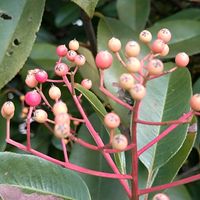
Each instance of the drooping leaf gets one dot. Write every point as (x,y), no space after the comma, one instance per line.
(40,176)
(19,21)
(134,13)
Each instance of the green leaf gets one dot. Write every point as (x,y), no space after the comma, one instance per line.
(19,21)
(40,176)
(167,99)
(100,188)
(87,5)
(185,36)
(134,13)
(67,14)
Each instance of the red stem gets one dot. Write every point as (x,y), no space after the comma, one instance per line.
(43,97)
(54,81)
(28,131)
(64,150)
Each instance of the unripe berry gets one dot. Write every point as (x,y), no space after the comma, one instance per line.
(71,54)
(31,80)
(74,45)
(119,142)
(145,36)
(54,92)
(114,44)
(40,116)
(155,67)
(62,131)
(79,60)
(182,59)
(157,46)
(161,196)
(62,118)
(61,69)
(59,107)
(165,51)
(111,120)
(133,65)
(195,102)
(86,83)
(132,49)
(138,91)
(103,59)
(8,109)
(41,76)
(164,34)
(61,50)
(32,98)
(126,81)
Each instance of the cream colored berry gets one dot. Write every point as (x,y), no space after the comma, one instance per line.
(54,92)
(145,36)
(62,118)
(59,107)
(155,67)
(133,65)
(119,142)
(74,45)
(62,131)
(138,92)
(126,81)
(112,120)
(114,44)
(132,49)
(8,109)
(40,116)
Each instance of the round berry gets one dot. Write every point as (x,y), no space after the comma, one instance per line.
(41,76)
(114,44)
(126,81)
(138,91)
(62,118)
(182,59)
(74,45)
(71,54)
(119,142)
(40,116)
(59,107)
(62,131)
(161,196)
(157,46)
(86,83)
(133,65)
(33,98)
(164,34)
(79,60)
(132,49)
(61,69)
(145,36)
(165,51)
(195,102)
(111,120)
(61,50)
(31,81)
(54,92)
(8,109)
(103,59)
(155,67)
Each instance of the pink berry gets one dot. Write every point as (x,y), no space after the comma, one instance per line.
(54,92)
(161,196)
(133,65)
(32,98)
(126,81)
(157,46)
(59,107)
(119,142)
(182,59)
(8,109)
(165,51)
(71,54)
(74,45)
(61,69)
(61,50)
(40,116)
(62,118)
(79,60)
(155,67)
(62,131)
(31,80)
(138,91)
(164,34)
(41,76)
(86,83)
(103,59)
(114,44)
(111,120)
(132,49)
(195,102)
(145,36)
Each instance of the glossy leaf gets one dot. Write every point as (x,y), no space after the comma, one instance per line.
(19,22)
(100,188)
(167,99)
(134,13)
(40,176)
(185,36)
(87,5)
